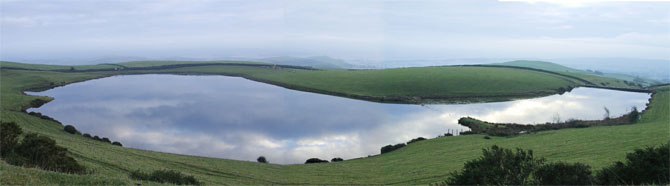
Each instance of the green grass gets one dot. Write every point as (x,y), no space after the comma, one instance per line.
(53,67)
(423,162)
(607,79)
(160,63)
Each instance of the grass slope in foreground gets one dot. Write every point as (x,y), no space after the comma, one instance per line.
(422,162)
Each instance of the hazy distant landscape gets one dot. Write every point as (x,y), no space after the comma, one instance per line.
(510,92)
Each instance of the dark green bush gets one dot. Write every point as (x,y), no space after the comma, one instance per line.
(9,136)
(165,176)
(70,129)
(106,140)
(37,103)
(315,160)
(498,166)
(42,151)
(487,137)
(117,143)
(644,166)
(563,174)
(415,140)
(97,138)
(468,132)
(389,148)
(634,115)
(87,135)
(37,114)
(336,159)
(261,159)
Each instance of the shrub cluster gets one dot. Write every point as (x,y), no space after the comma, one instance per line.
(35,151)
(37,103)
(389,148)
(165,176)
(642,167)
(499,166)
(39,115)
(336,159)
(315,160)
(97,138)
(415,140)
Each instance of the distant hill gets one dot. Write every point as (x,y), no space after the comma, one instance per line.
(549,66)
(315,61)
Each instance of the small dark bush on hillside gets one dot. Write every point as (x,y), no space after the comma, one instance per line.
(106,140)
(415,140)
(39,115)
(97,138)
(448,134)
(42,151)
(336,159)
(487,137)
(315,160)
(70,129)
(389,148)
(117,143)
(468,133)
(498,166)
(634,115)
(165,176)
(644,166)
(563,174)
(261,159)
(37,103)
(87,135)
(9,136)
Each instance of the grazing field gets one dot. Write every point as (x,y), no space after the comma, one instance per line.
(602,79)
(423,162)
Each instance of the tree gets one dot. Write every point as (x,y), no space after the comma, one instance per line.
(336,159)
(261,159)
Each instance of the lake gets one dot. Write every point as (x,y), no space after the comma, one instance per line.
(235,118)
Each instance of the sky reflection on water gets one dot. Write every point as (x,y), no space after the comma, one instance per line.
(231,117)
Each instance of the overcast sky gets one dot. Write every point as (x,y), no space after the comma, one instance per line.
(369,29)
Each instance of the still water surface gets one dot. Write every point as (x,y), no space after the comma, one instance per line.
(235,118)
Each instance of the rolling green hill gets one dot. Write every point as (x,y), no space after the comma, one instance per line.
(598,78)
(422,162)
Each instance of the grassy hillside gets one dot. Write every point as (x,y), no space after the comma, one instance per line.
(407,85)
(604,79)
(422,162)
(158,63)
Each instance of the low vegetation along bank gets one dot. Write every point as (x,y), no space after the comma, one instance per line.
(422,162)
(510,129)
